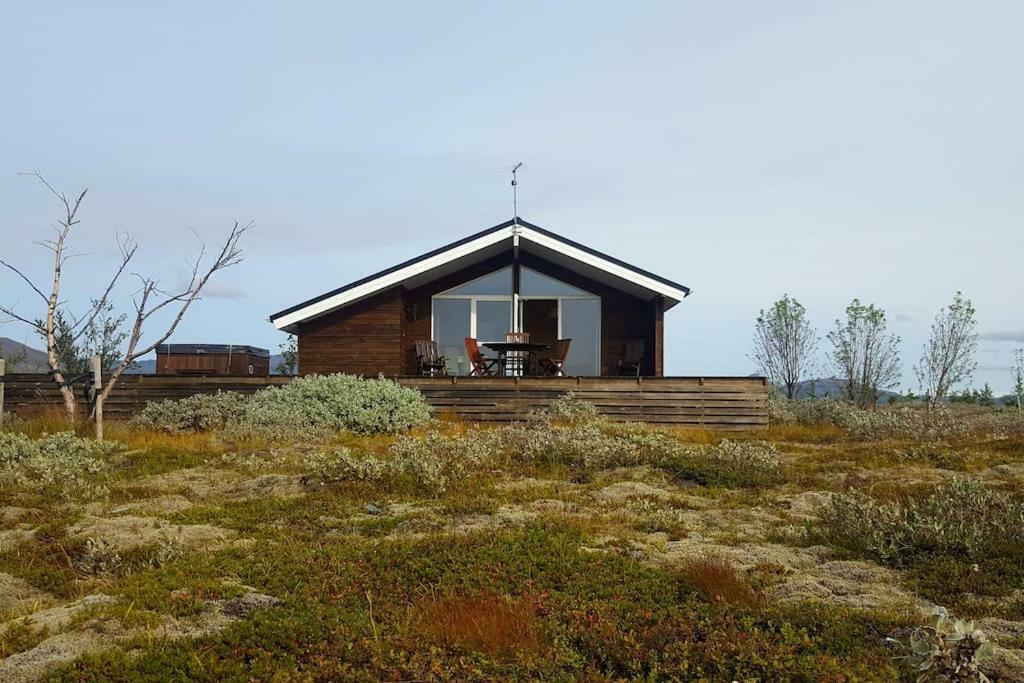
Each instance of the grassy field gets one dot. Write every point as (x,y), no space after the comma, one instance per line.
(568,549)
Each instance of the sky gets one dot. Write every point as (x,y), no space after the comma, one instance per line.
(746,149)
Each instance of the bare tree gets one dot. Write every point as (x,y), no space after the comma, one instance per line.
(149,300)
(784,344)
(948,357)
(865,353)
(1018,376)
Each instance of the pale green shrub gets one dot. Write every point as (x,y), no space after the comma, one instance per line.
(408,462)
(60,464)
(946,650)
(729,463)
(308,407)
(193,413)
(343,465)
(569,408)
(337,402)
(961,517)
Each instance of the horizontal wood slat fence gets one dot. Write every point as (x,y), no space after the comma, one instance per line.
(706,402)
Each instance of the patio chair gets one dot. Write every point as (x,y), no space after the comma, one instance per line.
(480,365)
(632,358)
(553,363)
(429,360)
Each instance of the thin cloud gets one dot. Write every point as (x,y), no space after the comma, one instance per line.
(212,290)
(1003,336)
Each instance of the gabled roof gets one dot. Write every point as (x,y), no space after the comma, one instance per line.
(479,246)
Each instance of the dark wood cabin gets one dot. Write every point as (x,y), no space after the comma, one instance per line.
(212,359)
(512,277)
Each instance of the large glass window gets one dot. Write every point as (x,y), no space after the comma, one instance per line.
(581,322)
(498,283)
(493,319)
(482,308)
(451,327)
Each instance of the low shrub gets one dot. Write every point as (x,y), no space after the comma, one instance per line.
(337,402)
(308,406)
(716,580)
(496,625)
(426,464)
(884,423)
(732,464)
(961,517)
(194,413)
(60,464)
(946,650)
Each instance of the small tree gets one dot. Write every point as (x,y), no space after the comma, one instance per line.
(865,354)
(62,331)
(948,357)
(1018,377)
(985,397)
(103,336)
(289,356)
(784,344)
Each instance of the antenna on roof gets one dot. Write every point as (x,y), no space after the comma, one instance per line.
(515,188)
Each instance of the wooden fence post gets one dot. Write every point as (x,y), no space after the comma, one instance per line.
(97,387)
(3,369)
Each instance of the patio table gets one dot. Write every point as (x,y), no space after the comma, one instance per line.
(514,366)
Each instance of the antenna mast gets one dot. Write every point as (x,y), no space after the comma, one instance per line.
(515,192)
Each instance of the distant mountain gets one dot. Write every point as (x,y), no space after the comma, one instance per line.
(22,358)
(833,387)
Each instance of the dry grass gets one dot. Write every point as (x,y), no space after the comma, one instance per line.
(717,581)
(485,622)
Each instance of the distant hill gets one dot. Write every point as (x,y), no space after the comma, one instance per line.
(832,387)
(22,358)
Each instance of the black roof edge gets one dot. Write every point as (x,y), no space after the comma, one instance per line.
(470,238)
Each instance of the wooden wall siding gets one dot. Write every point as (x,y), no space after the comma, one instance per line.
(362,339)
(623,316)
(214,363)
(730,403)
(709,402)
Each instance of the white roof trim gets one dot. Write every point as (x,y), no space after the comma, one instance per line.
(615,269)
(520,231)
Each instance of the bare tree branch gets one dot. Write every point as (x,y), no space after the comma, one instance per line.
(23,277)
(128,247)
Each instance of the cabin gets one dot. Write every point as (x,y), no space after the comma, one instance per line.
(515,278)
(212,359)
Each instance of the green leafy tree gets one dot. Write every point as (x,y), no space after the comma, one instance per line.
(865,353)
(102,335)
(948,357)
(784,344)
(986,397)
(289,364)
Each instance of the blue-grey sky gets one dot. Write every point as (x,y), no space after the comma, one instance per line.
(746,149)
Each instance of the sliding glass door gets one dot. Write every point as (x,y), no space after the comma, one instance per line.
(547,308)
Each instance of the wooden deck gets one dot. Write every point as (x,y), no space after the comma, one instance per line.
(708,402)
(701,402)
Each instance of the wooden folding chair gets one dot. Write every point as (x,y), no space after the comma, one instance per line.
(553,363)
(481,366)
(632,358)
(430,361)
